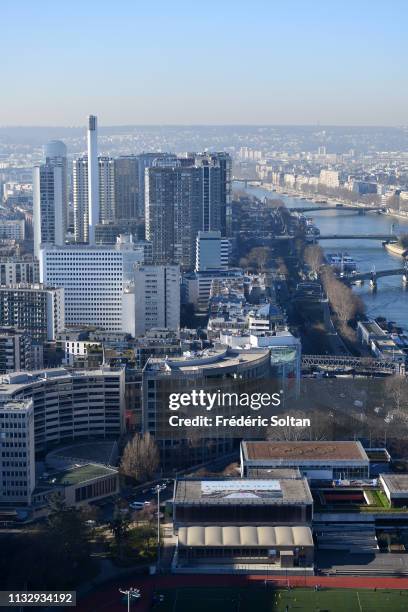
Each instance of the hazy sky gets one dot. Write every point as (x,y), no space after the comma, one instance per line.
(208,61)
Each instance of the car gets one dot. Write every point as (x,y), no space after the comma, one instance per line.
(139,505)
(136,505)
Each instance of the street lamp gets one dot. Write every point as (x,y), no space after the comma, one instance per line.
(157,489)
(130,593)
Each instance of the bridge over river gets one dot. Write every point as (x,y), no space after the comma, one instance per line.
(349,364)
(356,237)
(374,275)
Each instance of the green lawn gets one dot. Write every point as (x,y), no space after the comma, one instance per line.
(266,599)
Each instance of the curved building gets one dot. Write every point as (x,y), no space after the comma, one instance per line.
(70,405)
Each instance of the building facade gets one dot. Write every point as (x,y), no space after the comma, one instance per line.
(38,310)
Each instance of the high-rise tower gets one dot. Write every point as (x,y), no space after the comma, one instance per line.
(50,197)
(93,177)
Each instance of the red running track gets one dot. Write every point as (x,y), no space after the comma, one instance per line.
(107,599)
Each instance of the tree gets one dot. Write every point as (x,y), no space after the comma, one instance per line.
(140,458)
(343,301)
(68,533)
(119,527)
(396,388)
(313,257)
(259,257)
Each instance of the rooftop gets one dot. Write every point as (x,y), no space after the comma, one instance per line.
(207,360)
(245,537)
(396,483)
(242,491)
(300,451)
(80,474)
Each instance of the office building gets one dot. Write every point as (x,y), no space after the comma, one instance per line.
(156,298)
(107,233)
(94,281)
(37,310)
(212,251)
(70,405)
(216,368)
(56,155)
(17,458)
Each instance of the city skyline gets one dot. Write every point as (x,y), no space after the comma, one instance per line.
(229,64)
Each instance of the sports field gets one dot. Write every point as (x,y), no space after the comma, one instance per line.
(267,599)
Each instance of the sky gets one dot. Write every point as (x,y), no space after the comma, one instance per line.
(204,62)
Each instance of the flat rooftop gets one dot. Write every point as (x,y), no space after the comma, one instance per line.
(396,483)
(278,473)
(80,474)
(207,360)
(301,451)
(242,491)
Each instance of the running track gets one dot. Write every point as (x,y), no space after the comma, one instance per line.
(107,599)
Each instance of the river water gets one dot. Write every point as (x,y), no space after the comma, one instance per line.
(391,297)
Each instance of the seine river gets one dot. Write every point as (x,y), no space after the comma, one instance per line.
(391,298)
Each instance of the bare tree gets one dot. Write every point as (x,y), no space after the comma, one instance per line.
(342,299)
(140,458)
(259,257)
(313,257)
(396,388)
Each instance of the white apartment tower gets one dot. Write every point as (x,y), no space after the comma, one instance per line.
(56,155)
(106,189)
(93,177)
(50,197)
(48,206)
(80,195)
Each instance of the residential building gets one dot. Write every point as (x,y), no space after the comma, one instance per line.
(107,210)
(330,178)
(37,310)
(80,198)
(49,206)
(19,269)
(128,188)
(185,195)
(12,229)
(15,351)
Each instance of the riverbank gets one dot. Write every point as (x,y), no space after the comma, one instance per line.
(390,297)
